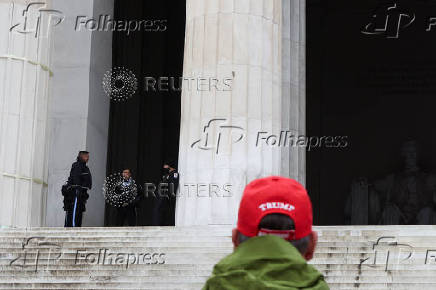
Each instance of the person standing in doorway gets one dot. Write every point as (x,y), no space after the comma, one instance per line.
(127,212)
(76,190)
(165,207)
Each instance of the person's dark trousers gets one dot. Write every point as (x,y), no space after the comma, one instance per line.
(69,218)
(160,211)
(127,212)
(164,211)
(171,213)
(74,214)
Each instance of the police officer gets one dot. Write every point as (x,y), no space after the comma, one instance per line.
(165,208)
(76,190)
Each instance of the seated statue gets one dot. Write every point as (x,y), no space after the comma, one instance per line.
(407,197)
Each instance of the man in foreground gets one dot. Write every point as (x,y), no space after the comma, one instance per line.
(273,240)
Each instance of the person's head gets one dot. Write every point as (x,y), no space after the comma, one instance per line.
(276,206)
(83,156)
(409,151)
(127,173)
(169,165)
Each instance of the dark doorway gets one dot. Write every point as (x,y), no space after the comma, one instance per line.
(144,130)
(375,84)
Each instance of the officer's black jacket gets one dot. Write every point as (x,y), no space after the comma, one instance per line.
(172,179)
(80,175)
(79,181)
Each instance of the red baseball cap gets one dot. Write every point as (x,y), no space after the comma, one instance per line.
(275,194)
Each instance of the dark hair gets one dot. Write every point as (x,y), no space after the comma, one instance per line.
(278,221)
(170,162)
(130,170)
(80,154)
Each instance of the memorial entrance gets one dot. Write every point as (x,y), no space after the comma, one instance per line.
(371,77)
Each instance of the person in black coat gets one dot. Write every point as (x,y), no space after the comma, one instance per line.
(127,212)
(75,191)
(165,206)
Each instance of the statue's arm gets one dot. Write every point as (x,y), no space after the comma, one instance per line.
(347,210)
(383,188)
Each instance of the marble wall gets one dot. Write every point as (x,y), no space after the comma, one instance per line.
(79,109)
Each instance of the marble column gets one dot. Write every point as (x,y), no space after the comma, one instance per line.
(294,86)
(241,40)
(24,99)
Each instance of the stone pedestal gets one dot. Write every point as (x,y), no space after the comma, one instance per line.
(223,141)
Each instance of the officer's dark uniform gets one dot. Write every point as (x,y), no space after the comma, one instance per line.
(75,193)
(165,208)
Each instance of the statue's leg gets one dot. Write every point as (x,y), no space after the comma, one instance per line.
(373,207)
(425,216)
(391,215)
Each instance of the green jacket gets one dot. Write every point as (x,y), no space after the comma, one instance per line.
(266,262)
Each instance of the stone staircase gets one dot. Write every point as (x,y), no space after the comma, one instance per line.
(366,257)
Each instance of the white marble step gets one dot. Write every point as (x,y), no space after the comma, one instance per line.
(345,255)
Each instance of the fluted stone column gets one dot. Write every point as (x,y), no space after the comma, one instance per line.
(24,78)
(245,40)
(294,86)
